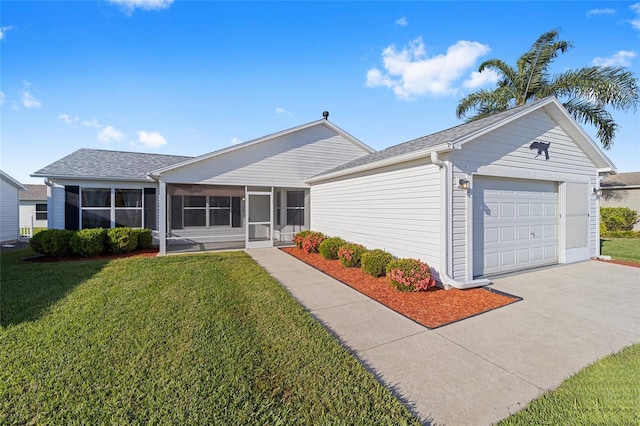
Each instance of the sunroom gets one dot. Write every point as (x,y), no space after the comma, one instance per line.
(216,217)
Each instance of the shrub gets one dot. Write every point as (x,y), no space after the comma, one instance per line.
(311,242)
(375,262)
(299,238)
(350,255)
(122,240)
(620,234)
(36,241)
(618,218)
(88,242)
(410,275)
(329,247)
(54,242)
(145,238)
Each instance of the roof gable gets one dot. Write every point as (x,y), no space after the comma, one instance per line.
(621,180)
(34,192)
(11,181)
(108,165)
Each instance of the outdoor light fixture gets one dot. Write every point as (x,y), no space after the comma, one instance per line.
(597,191)
(463,184)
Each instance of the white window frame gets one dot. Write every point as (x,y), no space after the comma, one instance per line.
(112,204)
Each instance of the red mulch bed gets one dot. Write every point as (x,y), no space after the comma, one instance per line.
(621,262)
(153,252)
(433,308)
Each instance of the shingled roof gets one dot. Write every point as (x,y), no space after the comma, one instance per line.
(621,180)
(103,164)
(34,192)
(435,139)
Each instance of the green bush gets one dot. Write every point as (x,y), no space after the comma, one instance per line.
(54,242)
(299,238)
(350,255)
(36,241)
(89,242)
(618,218)
(329,247)
(145,238)
(620,234)
(375,262)
(410,275)
(122,240)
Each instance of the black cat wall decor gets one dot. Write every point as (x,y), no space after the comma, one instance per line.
(541,147)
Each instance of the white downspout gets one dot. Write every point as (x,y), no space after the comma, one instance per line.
(446,230)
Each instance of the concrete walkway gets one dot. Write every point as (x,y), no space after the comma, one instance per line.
(482,369)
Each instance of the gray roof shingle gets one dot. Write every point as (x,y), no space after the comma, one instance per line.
(621,179)
(34,192)
(449,135)
(103,164)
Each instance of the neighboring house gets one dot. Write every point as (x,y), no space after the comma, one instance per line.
(9,212)
(512,191)
(622,190)
(33,206)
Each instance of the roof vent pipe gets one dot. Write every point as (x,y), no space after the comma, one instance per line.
(325,114)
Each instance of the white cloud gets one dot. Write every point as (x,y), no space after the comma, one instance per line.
(3,31)
(235,141)
(93,123)
(410,72)
(635,23)
(70,121)
(110,134)
(594,12)
(151,139)
(282,111)
(130,5)
(618,59)
(479,79)
(193,132)
(30,101)
(402,22)
(1,97)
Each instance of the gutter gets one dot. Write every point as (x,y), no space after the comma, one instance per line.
(446,228)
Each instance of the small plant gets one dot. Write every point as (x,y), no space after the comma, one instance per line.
(312,241)
(299,238)
(329,247)
(53,242)
(88,242)
(618,218)
(410,275)
(145,238)
(375,262)
(122,240)
(350,255)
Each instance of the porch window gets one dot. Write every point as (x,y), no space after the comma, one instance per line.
(41,211)
(195,210)
(219,211)
(278,208)
(295,208)
(96,208)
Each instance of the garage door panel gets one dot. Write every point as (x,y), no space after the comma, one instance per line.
(514,224)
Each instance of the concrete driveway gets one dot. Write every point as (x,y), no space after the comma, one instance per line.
(482,369)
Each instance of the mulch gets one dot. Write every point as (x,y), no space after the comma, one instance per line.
(432,308)
(620,262)
(152,252)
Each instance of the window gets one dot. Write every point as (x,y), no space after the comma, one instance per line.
(220,211)
(295,208)
(128,211)
(41,211)
(96,208)
(195,210)
(278,208)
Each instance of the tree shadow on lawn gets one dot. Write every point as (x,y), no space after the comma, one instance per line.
(28,290)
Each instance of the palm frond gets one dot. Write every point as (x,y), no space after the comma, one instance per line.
(593,113)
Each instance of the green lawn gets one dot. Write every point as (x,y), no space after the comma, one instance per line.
(604,393)
(198,339)
(622,249)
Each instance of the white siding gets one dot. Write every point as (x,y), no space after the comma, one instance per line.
(9,212)
(394,208)
(622,198)
(505,153)
(27,210)
(285,161)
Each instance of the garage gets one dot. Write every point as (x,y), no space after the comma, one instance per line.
(515,224)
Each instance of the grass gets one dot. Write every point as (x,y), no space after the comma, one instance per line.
(604,393)
(627,249)
(198,339)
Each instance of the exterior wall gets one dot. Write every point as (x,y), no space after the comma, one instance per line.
(282,162)
(9,212)
(28,210)
(395,208)
(623,197)
(505,153)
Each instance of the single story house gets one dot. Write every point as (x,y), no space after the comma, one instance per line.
(9,216)
(512,191)
(622,190)
(33,206)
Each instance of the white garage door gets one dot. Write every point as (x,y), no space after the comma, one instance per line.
(515,224)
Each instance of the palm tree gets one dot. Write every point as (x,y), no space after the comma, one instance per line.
(585,92)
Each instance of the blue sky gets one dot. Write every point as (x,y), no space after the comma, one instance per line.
(190,77)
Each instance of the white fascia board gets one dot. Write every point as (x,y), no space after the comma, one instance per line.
(12,181)
(413,155)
